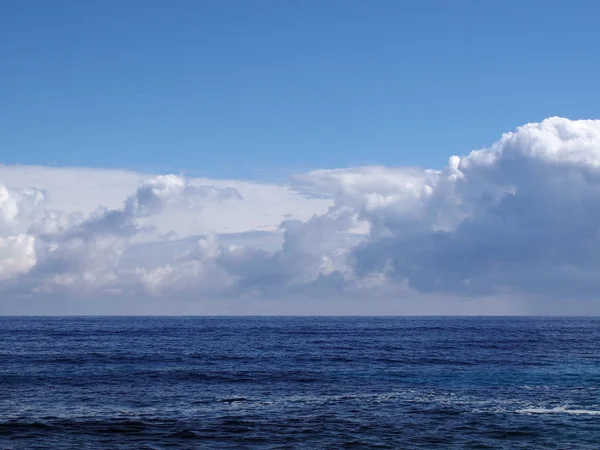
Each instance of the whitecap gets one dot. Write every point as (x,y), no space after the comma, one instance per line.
(558,410)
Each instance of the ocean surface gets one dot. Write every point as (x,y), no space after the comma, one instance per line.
(290,382)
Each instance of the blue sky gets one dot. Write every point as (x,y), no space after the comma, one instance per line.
(267,157)
(262,89)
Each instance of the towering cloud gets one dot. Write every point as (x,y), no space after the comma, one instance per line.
(517,219)
(521,216)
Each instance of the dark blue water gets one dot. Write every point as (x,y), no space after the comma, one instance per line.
(299,383)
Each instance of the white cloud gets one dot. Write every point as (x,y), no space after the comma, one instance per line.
(509,228)
(17,255)
(518,217)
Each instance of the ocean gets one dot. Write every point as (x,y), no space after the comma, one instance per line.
(299,382)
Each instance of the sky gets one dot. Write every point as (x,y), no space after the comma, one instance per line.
(268,157)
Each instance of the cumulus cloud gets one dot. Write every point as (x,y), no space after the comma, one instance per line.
(17,255)
(151,198)
(518,219)
(520,216)
(86,252)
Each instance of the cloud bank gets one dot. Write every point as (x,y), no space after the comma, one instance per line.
(512,228)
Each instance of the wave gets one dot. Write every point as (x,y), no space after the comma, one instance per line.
(559,410)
